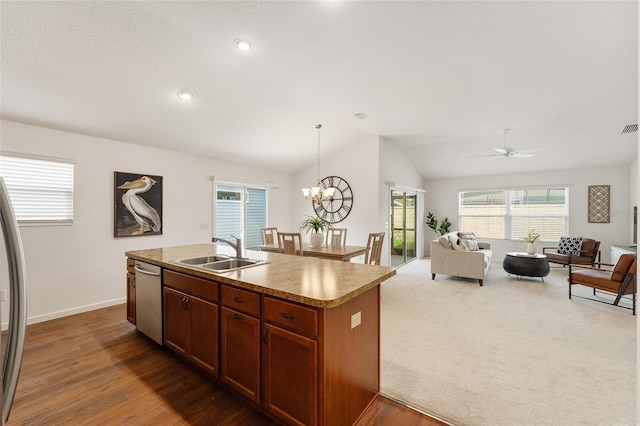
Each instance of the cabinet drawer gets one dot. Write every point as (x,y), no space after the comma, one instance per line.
(130,265)
(242,300)
(290,315)
(205,289)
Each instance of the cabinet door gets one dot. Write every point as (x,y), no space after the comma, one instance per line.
(131,298)
(203,343)
(240,348)
(290,376)
(176,320)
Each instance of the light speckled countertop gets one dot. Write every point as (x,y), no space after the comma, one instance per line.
(311,281)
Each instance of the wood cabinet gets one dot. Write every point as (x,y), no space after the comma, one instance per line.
(191,322)
(290,376)
(302,364)
(240,352)
(240,341)
(131,291)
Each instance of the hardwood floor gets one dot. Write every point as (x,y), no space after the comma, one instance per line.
(94,368)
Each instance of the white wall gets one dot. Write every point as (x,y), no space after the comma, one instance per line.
(75,268)
(442,199)
(397,168)
(366,164)
(356,163)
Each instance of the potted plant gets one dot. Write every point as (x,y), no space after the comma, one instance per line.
(531,238)
(316,225)
(432,222)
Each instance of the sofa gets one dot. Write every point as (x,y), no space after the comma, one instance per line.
(459,254)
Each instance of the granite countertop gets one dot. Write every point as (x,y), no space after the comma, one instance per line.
(311,281)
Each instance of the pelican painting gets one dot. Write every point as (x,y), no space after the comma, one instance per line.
(136,215)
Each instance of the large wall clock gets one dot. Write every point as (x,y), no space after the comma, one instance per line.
(339,206)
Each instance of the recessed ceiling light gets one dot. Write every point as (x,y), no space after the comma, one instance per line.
(185,95)
(243,44)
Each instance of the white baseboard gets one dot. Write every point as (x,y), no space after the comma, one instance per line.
(72,311)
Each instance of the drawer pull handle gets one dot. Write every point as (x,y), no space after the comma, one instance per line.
(285,315)
(185,301)
(238,317)
(238,300)
(264,336)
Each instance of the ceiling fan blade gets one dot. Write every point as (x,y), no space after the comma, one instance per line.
(530,150)
(501,151)
(520,154)
(488,155)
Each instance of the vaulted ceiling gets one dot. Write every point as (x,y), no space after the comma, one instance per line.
(439,79)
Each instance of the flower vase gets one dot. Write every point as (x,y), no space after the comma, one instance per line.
(316,239)
(531,249)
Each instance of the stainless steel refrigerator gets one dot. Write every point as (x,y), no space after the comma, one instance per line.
(16,273)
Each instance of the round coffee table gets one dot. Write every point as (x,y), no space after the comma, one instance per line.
(527,265)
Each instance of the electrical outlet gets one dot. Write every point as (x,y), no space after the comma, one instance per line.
(356,319)
(3,295)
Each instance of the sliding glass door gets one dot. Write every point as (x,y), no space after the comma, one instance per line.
(241,211)
(403,220)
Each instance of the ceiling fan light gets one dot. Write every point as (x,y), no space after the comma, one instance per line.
(185,95)
(243,44)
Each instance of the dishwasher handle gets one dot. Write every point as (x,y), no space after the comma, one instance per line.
(155,274)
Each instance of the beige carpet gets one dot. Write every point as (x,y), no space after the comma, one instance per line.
(509,353)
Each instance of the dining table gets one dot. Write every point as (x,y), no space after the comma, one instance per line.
(325,251)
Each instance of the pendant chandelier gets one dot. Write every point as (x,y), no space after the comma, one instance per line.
(319,192)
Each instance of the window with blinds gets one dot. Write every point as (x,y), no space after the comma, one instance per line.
(241,211)
(511,214)
(41,190)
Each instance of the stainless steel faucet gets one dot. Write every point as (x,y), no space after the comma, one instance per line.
(237,246)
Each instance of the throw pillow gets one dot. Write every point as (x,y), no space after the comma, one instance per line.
(467,235)
(570,245)
(472,245)
(456,243)
(444,241)
(469,240)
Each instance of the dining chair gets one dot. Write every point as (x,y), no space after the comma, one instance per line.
(291,242)
(337,236)
(374,248)
(269,236)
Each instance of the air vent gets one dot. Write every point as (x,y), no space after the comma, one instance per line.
(361,116)
(630,128)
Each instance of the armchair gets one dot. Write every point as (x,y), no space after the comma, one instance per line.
(619,279)
(589,252)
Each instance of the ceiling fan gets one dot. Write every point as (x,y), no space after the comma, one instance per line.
(508,152)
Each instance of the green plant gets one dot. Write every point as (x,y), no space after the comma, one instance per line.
(531,237)
(314,224)
(432,222)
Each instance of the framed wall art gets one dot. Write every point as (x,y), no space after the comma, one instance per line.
(599,199)
(137,204)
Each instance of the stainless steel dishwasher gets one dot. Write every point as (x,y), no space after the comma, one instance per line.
(149,300)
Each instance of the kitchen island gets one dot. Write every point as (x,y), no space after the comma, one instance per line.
(299,337)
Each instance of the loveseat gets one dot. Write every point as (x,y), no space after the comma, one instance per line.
(454,254)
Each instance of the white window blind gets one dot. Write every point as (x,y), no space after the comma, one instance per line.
(41,190)
(511,214)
